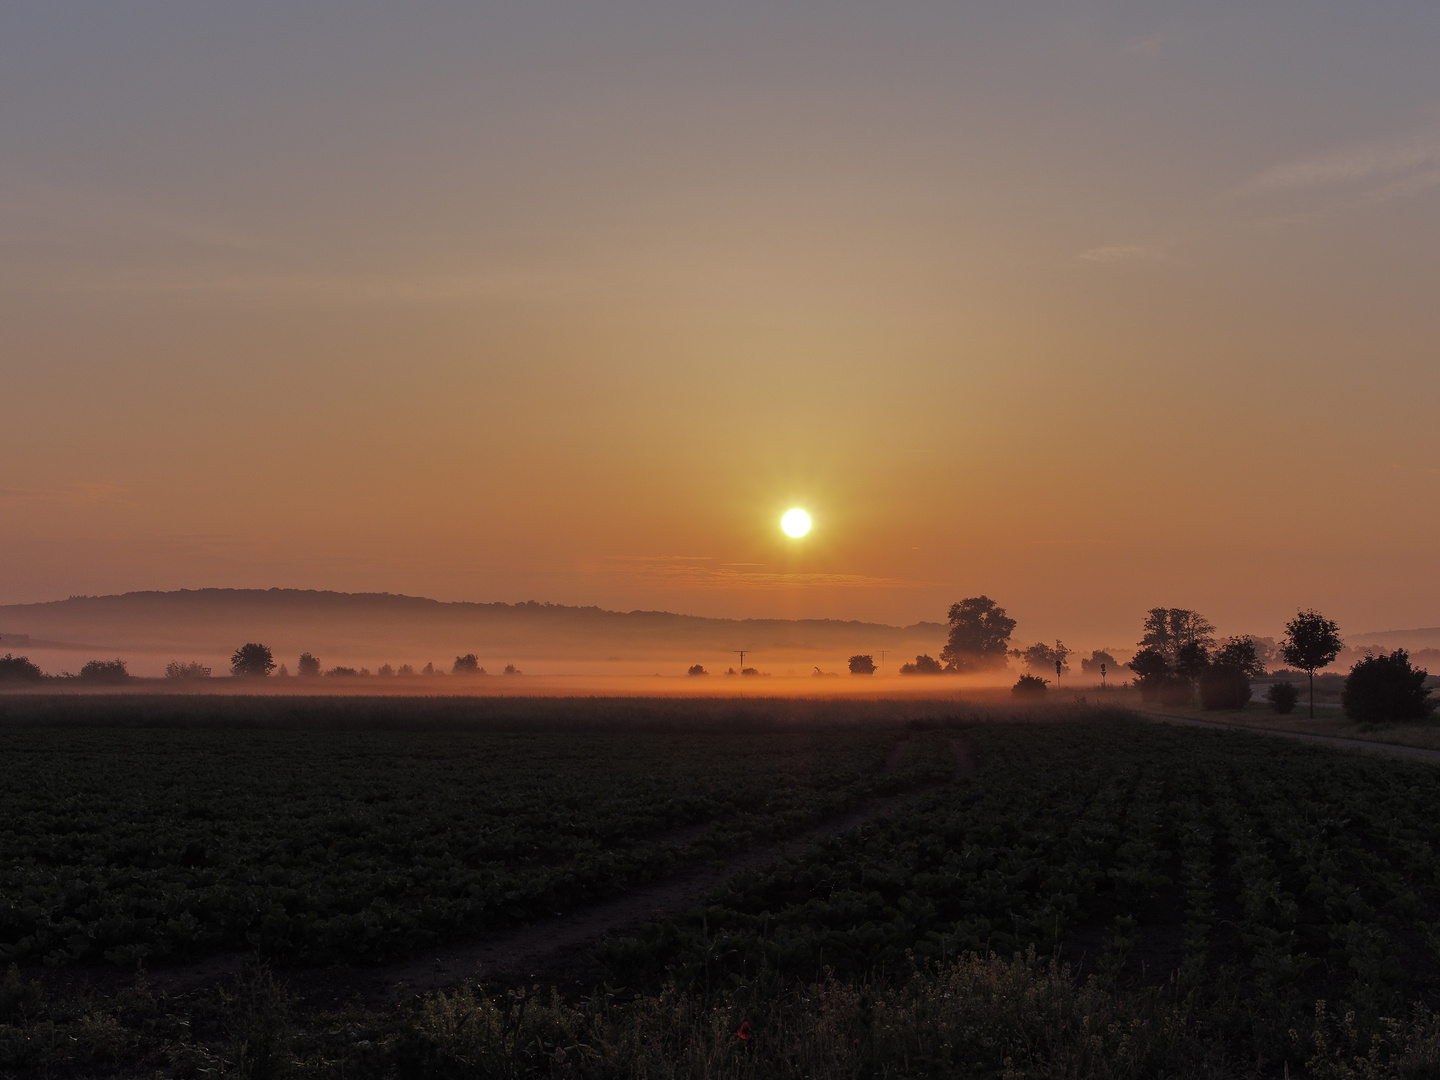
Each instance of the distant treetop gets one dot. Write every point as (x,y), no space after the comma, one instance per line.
(252,660)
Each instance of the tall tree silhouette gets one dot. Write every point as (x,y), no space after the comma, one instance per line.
(979,635)
(1311,642)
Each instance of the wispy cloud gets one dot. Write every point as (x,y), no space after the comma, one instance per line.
(1121,253)
(1380,170)
(1147,45)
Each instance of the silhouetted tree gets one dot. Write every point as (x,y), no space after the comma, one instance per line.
(1180,635)
(924,664)
(697,669)
(104,671)
(252,660)
(307,665)
(405,671)
(469,664)
(341,672)
(1311,642)
(1225,681)
(193,670)
(18,669)
(1192,661)
(1386,687)
(1174,651)
(1241,654)
(511,669)
(1041,657)
(979,636)
(1154,677)
(1091,666)
(386,671)
(1030,686)
(862,664)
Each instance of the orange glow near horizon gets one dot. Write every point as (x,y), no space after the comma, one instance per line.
(1087,311)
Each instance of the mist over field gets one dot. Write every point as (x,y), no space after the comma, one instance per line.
(152,628)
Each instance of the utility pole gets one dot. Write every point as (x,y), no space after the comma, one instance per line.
(882,661)
(742,659)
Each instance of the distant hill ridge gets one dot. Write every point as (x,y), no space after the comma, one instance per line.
(1421,637)
(370,623)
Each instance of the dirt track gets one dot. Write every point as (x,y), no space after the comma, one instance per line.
(558,947)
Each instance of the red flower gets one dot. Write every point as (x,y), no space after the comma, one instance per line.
(744,1031)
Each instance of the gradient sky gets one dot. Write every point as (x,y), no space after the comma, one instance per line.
(1089,307)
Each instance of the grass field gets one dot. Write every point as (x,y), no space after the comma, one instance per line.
(1102,897)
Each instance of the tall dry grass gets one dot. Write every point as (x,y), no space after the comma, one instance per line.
(976,1016)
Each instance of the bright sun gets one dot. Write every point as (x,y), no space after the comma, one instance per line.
(795,522)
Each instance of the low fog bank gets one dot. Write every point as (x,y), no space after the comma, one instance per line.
(371,630)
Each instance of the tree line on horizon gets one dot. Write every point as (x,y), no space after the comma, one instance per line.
(1178,658)
(249,661)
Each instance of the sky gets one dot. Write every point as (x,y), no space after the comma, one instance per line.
(1088,307)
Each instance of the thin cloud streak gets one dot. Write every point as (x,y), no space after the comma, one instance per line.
(1417,155)
(77,494)
(683,572)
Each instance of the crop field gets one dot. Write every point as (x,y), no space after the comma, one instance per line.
(122,845)
(1095,895)
(1291,873)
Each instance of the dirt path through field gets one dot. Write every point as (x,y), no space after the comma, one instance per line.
(1393,749)
(559,947)
(536,947)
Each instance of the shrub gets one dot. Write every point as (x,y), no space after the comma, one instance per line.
(1166,689)
(18,669)
(697,669)
(104,671)
(1386,687)
(1282,697)
(1224,687)
(862,664)
(924,664)
(260,1015)
(193,670)
(1030,686)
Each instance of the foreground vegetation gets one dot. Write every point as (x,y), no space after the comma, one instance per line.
(1105,898)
